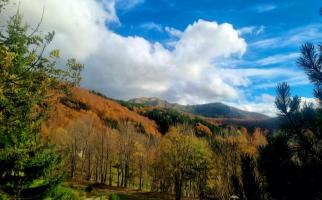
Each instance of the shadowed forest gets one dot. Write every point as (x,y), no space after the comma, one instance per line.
(59,141)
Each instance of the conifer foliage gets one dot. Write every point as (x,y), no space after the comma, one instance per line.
(29,165)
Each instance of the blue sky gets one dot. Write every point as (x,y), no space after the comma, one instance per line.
(268,26)
(184,51)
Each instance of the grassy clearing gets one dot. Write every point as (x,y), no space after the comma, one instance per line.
(104,192)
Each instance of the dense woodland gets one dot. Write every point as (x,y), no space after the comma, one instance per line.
(51,133)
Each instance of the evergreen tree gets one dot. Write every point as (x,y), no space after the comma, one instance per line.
(251,186)
(292,161)
(30,167)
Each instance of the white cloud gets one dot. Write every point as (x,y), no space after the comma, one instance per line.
(293,78)
(279,58)
(267,7)
(263,103)
(79,24)
(127,67)
(264,8)
(173,31)
(152,26)
(306,100)
(128,4)
(256,30)
(293,37)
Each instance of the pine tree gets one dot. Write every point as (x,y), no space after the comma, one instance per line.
(292,161)
(30,167)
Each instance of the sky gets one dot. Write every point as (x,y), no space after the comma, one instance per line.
(184,51)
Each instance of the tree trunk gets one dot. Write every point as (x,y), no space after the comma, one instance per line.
(89,170)
(118,176)
(140,182)
(110,175)
(126,176)
(178,186)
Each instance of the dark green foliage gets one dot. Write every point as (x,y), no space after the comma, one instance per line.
(270,125)
(139,128)
(74,103)
(166,117)
(74,71)
(115,196)
(29,168)
(218,110)
(99,94)
(112,123)
(63,193)
(130,106)
(237,186)
(251,184)
(222,111)
(292,159)
(277,166)
(291,162)
(89,188)
(311,62)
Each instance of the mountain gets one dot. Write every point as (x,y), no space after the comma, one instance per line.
(220,110)
(213,110)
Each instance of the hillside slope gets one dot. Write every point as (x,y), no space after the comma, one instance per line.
(82,103)
(220,110)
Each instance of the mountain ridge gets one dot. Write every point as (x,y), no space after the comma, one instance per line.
(213,110)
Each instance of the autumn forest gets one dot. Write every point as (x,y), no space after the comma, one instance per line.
(59,140)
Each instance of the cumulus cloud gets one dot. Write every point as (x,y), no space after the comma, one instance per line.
(127,67)
(78,24)
(173,31)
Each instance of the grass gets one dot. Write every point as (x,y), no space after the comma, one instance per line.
(104,192)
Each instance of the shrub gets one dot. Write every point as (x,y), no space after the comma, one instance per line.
(89,188)
(63,193)
(112,123)
(74,103)
(114,196)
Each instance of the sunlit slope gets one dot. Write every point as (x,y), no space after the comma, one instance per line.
(81,103)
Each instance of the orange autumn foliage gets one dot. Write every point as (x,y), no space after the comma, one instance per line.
(202,130)
(60,115)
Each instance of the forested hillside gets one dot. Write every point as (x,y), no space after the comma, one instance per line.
(81,103)
(215,110)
